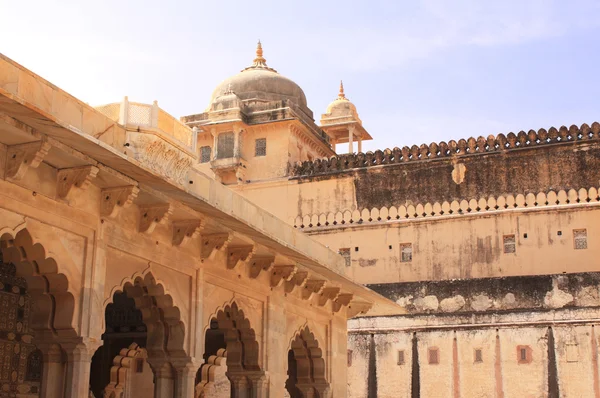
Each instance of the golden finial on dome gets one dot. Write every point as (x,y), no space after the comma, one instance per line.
(341,94)
(259,62)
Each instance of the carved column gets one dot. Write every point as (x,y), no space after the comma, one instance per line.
(164,385)
(350,139)
(258,384)
(306,390)
(53,371)
(239,385)
(360,144)
(237,136)
(186,377)
(79,359)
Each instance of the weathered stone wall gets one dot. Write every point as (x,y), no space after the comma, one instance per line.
(558,159)
(512,337)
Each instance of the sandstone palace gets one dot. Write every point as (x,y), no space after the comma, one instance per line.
(235,253)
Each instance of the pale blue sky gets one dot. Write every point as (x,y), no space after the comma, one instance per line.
(418,71)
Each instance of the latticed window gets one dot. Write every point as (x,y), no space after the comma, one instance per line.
(260,147)
(225,142)
(580,239)
(345,253)
(509,244)
(205,154)
(406,252)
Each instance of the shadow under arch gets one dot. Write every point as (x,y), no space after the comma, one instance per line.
(47,286)
(231,339)
(306,367)
(164,329)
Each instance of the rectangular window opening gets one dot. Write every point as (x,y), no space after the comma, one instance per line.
(260,147)
(401,357)
(434,357)
(204,154)
(524,354)
(509,244)
(580,239)
(478,355)
(406,252)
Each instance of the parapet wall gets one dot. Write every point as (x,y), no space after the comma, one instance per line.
(481,206)
(557,159)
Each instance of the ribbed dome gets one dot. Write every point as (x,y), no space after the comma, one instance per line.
(261,82)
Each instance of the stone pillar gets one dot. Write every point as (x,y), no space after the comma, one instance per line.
(306,390)
(185,384)
(323,390)
(53,371)
(359,144)
(351,139)
(79,359)
(237,134)
(258,384)
(164,386)
(239,385)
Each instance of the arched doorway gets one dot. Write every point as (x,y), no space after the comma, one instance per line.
(230,339)
(35,306)
(142,326)
(306,368)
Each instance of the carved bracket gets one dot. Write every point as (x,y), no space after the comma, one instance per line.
(115,199)
(282,273)
(356,308)
(79,177)
(185,230)
(19,158)
(298,279)
(259,264)
(312,286)
(152,215)
(212,242)
(341,300)
(328,293)
(237,254)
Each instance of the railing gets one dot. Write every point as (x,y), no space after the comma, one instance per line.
(349,218)
(134,114)
(471,146)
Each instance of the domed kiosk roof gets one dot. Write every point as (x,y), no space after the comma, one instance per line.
(262,83)
(342,105)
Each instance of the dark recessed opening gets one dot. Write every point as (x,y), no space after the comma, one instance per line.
(559,233)
(356,249)
(525,235)
(390,247)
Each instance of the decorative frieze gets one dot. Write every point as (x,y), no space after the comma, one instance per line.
(328,293)
(282,273)
(297,280)
(312,286)
(213,242)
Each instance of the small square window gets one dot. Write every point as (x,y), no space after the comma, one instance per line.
(478,355)
(204,154)
(406,252)
(349,358)
(345,253)
(580,239)
(524,354)
(509,244)
(356,249)
(401,357)
(260,147)
(434,356)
